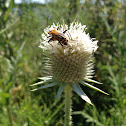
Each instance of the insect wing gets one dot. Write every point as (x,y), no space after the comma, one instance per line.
(62,35)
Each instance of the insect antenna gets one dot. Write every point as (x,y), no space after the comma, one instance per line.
(65,31)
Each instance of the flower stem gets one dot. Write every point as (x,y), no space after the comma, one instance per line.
(68,102)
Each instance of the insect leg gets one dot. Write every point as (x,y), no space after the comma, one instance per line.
(48,36)
(50,41)
(60,42)
(69,35)
(65,31)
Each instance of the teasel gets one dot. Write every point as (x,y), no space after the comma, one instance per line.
(70,65)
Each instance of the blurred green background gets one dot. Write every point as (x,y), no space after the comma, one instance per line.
(21,26)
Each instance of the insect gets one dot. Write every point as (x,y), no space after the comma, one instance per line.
(60,37)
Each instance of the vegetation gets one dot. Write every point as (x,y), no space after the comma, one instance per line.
(21,26)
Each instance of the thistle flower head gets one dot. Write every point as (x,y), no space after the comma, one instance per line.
(71,63)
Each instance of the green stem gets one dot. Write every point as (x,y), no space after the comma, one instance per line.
(10,115)
(68,102)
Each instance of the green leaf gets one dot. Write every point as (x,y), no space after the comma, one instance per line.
(60,90)
(8,86)
(9,26)
(19,52)
(89,118)
(46,86)
(11,4)
(52,115)
(3,97)
(80,92)
(91,86)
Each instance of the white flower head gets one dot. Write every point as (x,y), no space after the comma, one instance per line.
(71,54)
